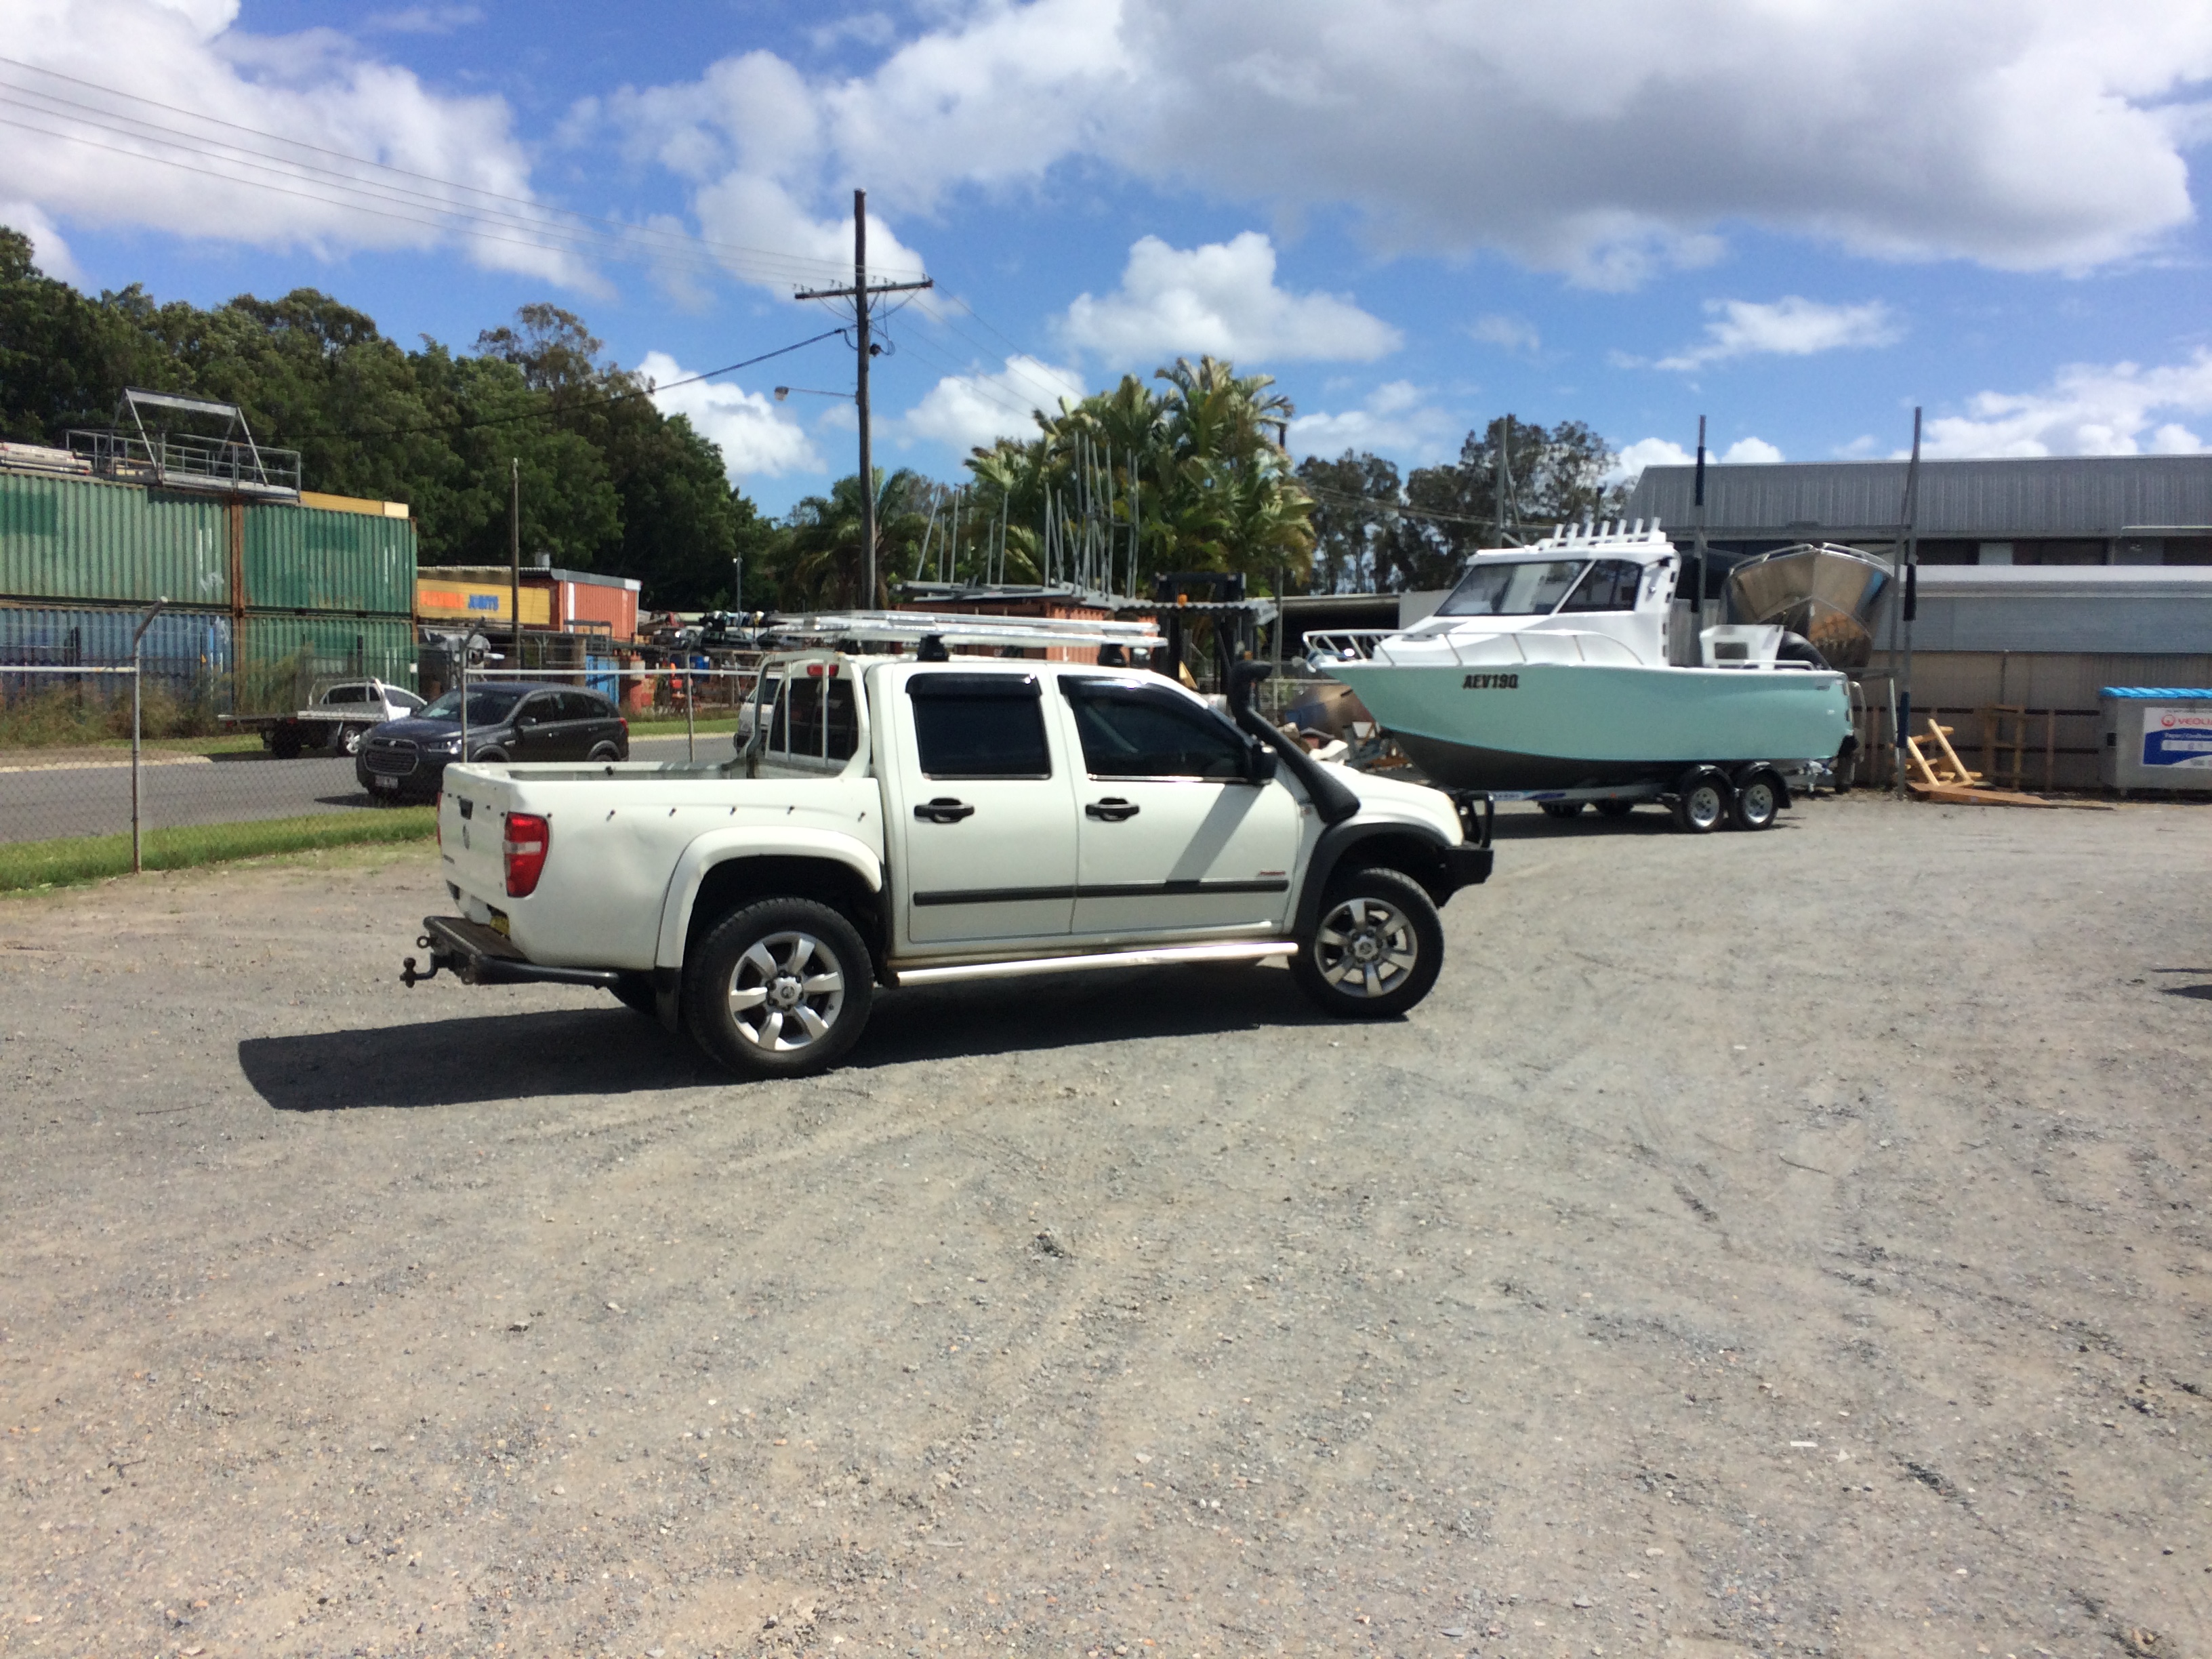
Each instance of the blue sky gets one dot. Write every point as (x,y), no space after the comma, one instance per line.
(1415,214)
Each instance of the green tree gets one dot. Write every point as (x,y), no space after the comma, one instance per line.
(1352,497)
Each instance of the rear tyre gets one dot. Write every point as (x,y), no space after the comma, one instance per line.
(1758,802)
(604,753)
(1701,801)
(1616,809)
(779,989)
(1561,809)
(285,741)
(349,739)
(1376,948)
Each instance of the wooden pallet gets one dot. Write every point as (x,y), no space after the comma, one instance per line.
(1943,777)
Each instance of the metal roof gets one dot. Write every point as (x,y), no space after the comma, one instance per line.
(2075,495)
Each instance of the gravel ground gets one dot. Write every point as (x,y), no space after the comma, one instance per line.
(1787,1244)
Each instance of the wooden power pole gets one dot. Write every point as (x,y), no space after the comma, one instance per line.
(859,294)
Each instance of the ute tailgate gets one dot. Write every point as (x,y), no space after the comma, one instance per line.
(471,823)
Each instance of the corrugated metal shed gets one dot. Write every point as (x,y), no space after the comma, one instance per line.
(79,538)
(308,558)
(2119,610)
(2097,497)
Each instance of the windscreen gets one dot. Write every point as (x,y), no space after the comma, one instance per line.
(1522,587)
(486,708)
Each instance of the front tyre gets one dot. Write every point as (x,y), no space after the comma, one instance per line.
(779,989)
(1376,949)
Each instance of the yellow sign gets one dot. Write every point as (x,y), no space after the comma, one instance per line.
(479,602)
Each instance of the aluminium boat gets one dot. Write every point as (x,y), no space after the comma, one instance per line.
(1566,665)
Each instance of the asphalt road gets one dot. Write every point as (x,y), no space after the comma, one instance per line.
(1778,1244)
(84,795)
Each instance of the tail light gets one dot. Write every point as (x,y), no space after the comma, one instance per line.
(528,838)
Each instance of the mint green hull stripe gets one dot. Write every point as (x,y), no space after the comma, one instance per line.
(1599,713)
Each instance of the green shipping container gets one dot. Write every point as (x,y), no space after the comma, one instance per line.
(309,558)
(279,656)
(77,540)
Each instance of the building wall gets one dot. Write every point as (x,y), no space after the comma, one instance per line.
(2059,690)
(447,603)
(596,602)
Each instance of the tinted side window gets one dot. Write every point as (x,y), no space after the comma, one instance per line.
(977,725)
(535,711)
(346,694)
(1610,585)
(1137,735)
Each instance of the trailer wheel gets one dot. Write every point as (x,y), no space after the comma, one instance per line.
(1758,801)
(1701,800)
(1561,809)
(779,989)
(1376,948)
(285,740)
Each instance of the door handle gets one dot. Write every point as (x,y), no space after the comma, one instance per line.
(1113,809)
(942,809)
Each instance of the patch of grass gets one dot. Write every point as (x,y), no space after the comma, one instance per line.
(664,728)
(32,864)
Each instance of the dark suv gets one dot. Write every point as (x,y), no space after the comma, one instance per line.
(405,759)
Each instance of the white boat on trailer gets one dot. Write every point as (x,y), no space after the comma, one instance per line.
(1563,672)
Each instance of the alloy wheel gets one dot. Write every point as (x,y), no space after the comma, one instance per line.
(1366,947)
(787,992)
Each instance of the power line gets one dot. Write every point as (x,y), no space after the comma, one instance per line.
(557,412)
(1344,498)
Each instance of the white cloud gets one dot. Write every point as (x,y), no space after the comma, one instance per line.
(1507,334)
(758,439)
(422,20)
(1607,140)
(1631,460)
(48,251)
(1397,417)
(2088,409)
(1789,327)
(965,411)
(314,88)
(1221,299)
(1752,451)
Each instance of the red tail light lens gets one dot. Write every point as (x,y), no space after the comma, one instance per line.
(528,838)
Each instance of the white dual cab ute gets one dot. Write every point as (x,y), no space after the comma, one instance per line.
(904,820)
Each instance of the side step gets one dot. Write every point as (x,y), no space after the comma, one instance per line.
(1237,950)
(476,954)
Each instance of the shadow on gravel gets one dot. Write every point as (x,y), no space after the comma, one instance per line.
(451,1062)
(612,1051)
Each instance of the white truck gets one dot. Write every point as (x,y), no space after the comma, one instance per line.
(337,719)
(899,822)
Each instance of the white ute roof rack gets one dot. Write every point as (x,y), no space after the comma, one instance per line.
(838,627)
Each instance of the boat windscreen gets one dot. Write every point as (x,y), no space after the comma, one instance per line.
(1517,587)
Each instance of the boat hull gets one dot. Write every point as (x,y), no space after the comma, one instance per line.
(1544,726)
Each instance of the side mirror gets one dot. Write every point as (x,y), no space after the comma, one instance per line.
(1259,765)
